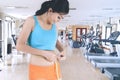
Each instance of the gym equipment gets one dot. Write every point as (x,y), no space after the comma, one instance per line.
(109,65)
(112,73)
(106,63)
(93,47)
(80,39)
(0,56)
(1,49)
(9,40)
(0,53)
(76,44)
(109,28)
(91,56)
(1,39)
(9,46)
(1,60)
(112,40)
(14,39)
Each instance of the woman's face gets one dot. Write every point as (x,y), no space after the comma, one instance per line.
(56,17)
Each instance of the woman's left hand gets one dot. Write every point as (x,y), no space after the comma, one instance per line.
(61,56)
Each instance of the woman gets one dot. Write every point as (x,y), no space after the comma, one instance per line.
(39,38)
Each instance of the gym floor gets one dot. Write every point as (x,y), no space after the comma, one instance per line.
(75,67)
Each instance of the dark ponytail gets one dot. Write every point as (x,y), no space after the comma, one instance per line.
(59,6)
(44,8)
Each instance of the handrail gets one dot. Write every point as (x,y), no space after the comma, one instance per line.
(1,40)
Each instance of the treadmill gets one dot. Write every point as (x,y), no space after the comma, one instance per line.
(112,40)
(112,73)
(110,66)
(90,56)
(106,63)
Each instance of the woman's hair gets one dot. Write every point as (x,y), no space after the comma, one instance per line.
(59,6)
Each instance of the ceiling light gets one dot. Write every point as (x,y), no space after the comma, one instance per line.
(107,9)
(95,16)
(14,7)
(72,8)
(10,7)
(67,16)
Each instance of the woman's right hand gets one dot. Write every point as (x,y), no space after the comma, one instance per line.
(50,56)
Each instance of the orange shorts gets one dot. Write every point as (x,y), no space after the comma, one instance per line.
(44,72)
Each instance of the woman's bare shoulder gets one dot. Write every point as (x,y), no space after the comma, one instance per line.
(30,19)
(29,22)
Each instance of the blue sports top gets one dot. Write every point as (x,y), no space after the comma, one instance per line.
(43,39)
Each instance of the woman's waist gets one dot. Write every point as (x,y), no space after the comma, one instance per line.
(40,61)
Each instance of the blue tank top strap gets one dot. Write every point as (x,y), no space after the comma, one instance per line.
(54,26)
(35,18)
(36,22)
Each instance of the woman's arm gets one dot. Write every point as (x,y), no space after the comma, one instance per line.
(59,46)
(22,40)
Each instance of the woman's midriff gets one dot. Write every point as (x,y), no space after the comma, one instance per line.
(40,61)
(41,69)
